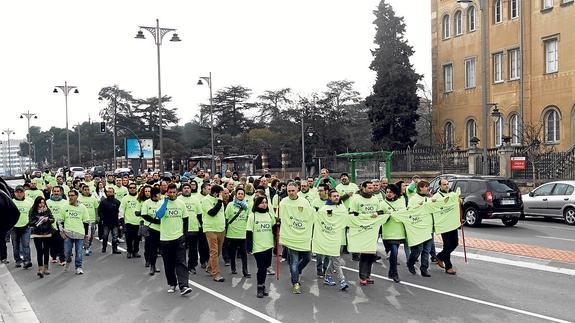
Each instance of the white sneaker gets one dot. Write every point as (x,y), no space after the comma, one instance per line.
(186,291)
(172,289)
(121,240)
(79,271)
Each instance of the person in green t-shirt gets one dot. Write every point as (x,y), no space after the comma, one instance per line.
(261,227)
(214,223)
(346,189)
(297,216)
(34,191)
(56,203)
(71,225)
(236,219)
(173,219)
(20,234)
(329,237)
(447,221)
(305,192)
(192,202)
(129,205)
(322,261)
(393,233)
(150,203)
(91,204)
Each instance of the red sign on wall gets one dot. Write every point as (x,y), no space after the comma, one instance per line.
(518,163)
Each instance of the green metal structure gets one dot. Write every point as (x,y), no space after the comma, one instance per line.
(367,156)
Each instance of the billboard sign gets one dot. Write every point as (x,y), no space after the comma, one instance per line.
(133,148)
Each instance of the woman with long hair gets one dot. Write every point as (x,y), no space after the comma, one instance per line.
(40,220)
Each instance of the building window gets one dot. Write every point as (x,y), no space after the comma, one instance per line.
(551,56)
(514,8)
(498,132)
(498,67)
(448,77)
(547,4)
(448,134)
(446,25)
(471,19)
(458,23)
(469,73)
(497,11)
(514,64)
(471,131)
(551,120)
(514,130)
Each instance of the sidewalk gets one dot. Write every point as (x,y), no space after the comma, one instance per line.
(14,307)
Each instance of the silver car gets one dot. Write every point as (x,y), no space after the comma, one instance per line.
(555,199)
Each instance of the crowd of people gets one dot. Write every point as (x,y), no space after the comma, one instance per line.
(202,220)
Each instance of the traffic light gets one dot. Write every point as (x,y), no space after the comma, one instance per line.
(102,127)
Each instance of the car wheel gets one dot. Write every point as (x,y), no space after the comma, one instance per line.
(510,222)
(472,217)
(569,216)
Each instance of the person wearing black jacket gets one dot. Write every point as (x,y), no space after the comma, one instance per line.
(108,213)
(10,215)
(40,220)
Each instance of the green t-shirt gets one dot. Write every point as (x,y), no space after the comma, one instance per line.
(24,207)
(39,182)
(260,224)
(33,194)
(365,206)
(344,189)
(329,230)
(149,207)
(91,204)
(393,229)
(193,205)
(74,217)
(120,192)
(250,200)
(128,206)
(172,225)
(237,229)
(318,203)
(418,223)
(56,207)
(308,196)
(66,189)
(416,199)
(447,215)
(216,223)
(363,233)
(297,223)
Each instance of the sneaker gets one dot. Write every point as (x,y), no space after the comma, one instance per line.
(220,279)
(247,275)
(54,261)
(271,271)
(129,256)
(227,264)
(172,289)
(63,263)
(451,271)
(395,278)
(412,270)
(234,272)
(192,271)
(363,282)
(79,271)
(67,266)
(296,289)
(121,240)
(343,285)
(425,274)
(27,265)
(320,274)
(328,280)
(186,291)
(86,252)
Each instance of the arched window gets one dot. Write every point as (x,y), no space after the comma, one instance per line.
(514,130)
(448,134)
(471,18)
(458,23)
(498,132)
(552,131)
(471,131)
(446,25)
(497,11)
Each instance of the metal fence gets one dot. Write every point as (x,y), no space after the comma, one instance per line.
(430,159)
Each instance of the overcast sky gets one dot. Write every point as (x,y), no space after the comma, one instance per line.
(260,44)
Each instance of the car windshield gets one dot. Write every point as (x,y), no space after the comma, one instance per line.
(502,185)
(77,169)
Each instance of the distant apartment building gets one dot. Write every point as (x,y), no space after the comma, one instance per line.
(11,163)
(530,70)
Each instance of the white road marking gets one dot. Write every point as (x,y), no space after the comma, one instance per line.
(559,227)
(555,238)
(226,299)
(470,299)
(14,306)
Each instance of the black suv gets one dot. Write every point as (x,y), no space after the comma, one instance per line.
(485,197)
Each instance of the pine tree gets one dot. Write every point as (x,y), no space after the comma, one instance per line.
(394,102)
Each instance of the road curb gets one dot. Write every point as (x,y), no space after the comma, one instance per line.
(14,307)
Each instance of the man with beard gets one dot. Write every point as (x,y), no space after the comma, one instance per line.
(346,189)
(56,204)
(108,211)
(128,208)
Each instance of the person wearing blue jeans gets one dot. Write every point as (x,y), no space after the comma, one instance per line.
(297,260)
(21,246)
(77,245)
(422,249)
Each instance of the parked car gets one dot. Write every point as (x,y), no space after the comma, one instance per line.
(485,197)
(98,171)
(123,172)
(553,200)
(77,172)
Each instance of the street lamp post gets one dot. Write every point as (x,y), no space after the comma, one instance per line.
(77,127)
(66,90)
(159,33)
(9,132)
(208,79)
(29,116)
(51,141)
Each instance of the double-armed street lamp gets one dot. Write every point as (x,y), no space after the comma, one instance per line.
(208,79)
(65,89)
(28,115)
(158,34)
